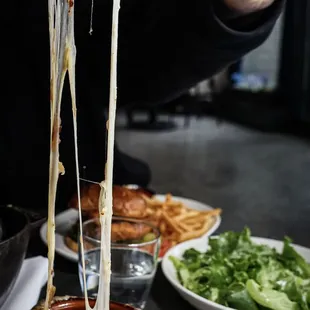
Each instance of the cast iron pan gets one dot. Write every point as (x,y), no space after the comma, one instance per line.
(16,225)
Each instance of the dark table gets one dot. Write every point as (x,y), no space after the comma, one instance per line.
(163,296)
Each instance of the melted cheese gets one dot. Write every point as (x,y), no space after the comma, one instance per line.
(56,78)
(71,71)
(91,18)
(103,299)
(63,59)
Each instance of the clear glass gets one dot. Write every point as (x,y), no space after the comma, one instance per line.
(134,254)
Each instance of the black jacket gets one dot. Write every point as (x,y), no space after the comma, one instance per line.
(165,47)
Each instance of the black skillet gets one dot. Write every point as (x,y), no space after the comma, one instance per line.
(16,225)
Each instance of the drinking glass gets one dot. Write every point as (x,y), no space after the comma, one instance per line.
(134,252)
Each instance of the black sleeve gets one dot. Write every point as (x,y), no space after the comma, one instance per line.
(187,43)
(223,37)
(236,21)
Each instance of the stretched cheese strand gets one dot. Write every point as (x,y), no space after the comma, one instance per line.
(91,18)
(106,192)
(62,55)
(56,78)
(103,297)
(71,62)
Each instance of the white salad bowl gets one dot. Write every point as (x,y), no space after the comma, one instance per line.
(202,245)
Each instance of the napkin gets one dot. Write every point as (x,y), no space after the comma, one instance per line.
(31,279)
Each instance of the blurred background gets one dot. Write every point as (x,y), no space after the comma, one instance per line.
(238,141)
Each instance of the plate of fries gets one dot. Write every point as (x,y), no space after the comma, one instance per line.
(178,219)
(181,219)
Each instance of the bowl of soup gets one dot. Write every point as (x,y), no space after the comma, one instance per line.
(78,303)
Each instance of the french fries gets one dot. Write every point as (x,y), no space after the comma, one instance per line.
(176,221)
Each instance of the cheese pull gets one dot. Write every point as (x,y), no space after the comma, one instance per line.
(63,61)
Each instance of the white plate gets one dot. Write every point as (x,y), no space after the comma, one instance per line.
(202,246)
(66,219)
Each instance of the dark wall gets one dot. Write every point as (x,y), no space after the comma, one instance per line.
(294,78)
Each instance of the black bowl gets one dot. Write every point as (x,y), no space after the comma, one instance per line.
(16,226)
(78,303)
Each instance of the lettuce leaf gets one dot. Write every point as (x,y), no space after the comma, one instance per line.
(269,298)
(294,261)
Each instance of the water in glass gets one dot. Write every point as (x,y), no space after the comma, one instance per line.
(132,275)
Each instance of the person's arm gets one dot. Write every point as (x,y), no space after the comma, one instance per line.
(247,6)
(182,43)
(221,34)
(243,15)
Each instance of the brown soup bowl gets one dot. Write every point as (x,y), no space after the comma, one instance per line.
(78,303)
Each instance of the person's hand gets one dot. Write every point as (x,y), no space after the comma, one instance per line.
(248,6)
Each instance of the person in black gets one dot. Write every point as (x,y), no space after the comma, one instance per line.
(165,47)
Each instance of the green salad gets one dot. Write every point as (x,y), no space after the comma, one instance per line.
(237,273)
